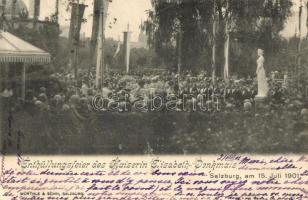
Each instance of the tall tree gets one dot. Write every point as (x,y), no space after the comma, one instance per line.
(252,24)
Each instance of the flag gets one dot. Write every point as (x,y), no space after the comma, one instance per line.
(75,25)
(37,6)
(96,15)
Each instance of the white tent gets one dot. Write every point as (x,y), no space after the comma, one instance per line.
(16,50)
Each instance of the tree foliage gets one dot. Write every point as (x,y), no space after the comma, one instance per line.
(252,24)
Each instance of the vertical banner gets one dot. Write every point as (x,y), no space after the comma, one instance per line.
(227,44)
(95,27)
(214,43)
(75,26)
(72,24)
(127,49)
(37,8)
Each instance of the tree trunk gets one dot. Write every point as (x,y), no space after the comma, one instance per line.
(299,38)
(214,43)
(307,19)
(57,11)
(100,49)
(227,44)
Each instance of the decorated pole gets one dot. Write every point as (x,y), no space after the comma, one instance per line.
(100,49)
(127,48)
(23,82)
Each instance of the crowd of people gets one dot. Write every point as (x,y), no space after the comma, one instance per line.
(284,114)
(162,90)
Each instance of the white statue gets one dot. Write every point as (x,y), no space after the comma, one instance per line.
(261,77)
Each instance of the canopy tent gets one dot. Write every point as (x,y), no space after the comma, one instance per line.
(16,50)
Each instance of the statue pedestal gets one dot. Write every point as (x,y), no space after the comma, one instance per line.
(260,102)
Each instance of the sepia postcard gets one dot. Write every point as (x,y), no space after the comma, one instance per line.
(153,99)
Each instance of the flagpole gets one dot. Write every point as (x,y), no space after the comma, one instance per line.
(100,50)
(127,48)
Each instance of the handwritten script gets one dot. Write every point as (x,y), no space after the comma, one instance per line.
(192,177)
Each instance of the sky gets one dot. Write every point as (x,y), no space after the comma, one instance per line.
(132,12)
(292,23)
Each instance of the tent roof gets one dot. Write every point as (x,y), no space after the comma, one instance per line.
(14,49)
